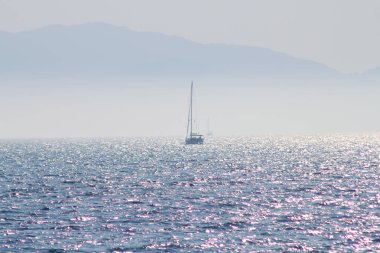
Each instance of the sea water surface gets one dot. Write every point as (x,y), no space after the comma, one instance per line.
(260,194)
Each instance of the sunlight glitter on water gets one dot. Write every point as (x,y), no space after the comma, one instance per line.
(233,194)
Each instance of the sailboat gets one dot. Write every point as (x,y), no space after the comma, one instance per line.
(191,137)
(209,133)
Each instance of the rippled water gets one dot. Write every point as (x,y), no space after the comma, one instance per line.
(264,194)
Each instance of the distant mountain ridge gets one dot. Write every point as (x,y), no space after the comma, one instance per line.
(102,50)
(372,73)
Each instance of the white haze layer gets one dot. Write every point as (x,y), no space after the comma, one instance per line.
(159,108)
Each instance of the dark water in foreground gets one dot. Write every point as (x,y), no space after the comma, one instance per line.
(260,194)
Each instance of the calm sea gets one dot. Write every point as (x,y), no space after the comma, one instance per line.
(267,194)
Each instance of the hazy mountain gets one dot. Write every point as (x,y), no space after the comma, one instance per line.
(372,73)
(101,50)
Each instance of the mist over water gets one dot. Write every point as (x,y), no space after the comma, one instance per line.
(159,107)
(267,194)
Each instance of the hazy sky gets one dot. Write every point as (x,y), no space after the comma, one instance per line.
(343,34)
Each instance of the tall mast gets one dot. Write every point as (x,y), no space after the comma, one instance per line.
(191,110)
(190,115)
(208,125)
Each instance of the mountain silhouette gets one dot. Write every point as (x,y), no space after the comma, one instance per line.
(103,50)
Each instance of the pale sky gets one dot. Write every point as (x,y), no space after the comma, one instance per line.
(343,34)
